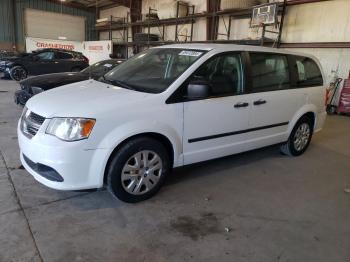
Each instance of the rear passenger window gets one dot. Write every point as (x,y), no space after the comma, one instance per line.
(308,72)
(269,72)
(62,55)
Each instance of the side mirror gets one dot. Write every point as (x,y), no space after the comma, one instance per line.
(198,90)
(35,58)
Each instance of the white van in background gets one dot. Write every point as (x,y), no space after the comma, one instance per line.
(167,107)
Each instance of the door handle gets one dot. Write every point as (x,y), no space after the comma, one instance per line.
(259,102)
(241,104)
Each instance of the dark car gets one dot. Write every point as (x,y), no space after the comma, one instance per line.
(37,84)
(6,53)
(43,61)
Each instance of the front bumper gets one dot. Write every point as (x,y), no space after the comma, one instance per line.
(4,69)
(21,97)
(79,168)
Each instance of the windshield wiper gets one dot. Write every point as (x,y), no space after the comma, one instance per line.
(122,84)
(104,80)
(116,83)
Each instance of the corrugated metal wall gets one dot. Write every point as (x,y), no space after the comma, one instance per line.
(6,21)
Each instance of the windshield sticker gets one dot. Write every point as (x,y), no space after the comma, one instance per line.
(107,65)
(190,53)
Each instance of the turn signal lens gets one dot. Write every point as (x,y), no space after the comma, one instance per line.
(87,127)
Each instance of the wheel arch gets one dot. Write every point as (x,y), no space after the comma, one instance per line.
(157,136)
(18,64)
(309,111)
(312,117)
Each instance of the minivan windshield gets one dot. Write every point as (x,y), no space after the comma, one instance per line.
(153,70)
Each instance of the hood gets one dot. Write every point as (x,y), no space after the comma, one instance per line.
(89,98)
(9,59)
(50,81)
(16,57)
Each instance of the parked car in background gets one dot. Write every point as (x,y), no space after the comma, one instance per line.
(37,84)
(6,53)
(5,59)
(167,107)
(43,61)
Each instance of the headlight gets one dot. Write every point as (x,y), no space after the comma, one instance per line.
(24,112)
(70,129)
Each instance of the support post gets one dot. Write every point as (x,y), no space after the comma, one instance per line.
(177,18)
(281,24)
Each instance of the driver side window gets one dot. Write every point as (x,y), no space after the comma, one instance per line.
(45,55)
(223,73)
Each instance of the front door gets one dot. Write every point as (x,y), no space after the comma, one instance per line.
(214,127)
(43,63)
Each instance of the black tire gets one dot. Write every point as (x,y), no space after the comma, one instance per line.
(331,109)
(126,154)
(290,148)
(76,69)
(18,73)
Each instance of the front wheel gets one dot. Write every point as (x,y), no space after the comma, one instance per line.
(18,73)
(137,171)
(299,138)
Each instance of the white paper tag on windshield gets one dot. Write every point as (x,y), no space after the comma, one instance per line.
(107,65)
(190,53)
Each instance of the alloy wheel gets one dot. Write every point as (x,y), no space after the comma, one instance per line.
(301,137)
(19,74)
(141,172)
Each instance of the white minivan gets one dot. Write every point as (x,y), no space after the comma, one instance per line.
(167,107)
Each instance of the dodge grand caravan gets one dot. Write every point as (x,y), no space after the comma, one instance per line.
(167,107)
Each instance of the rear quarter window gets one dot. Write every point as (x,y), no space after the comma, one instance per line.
(308,72)
(64,55)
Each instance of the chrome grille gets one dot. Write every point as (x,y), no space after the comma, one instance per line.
(30,123)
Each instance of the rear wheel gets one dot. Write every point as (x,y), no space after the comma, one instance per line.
(137,171)
(300,138)
(18,73)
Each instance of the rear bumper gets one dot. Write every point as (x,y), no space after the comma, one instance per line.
(321,118)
